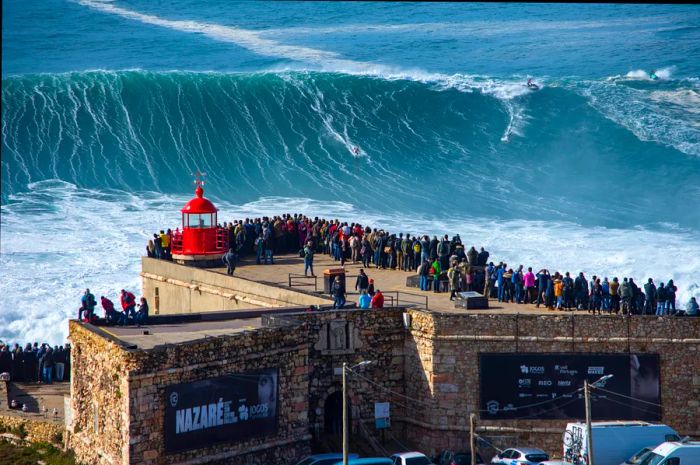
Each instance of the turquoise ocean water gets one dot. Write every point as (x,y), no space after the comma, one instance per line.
(108,106)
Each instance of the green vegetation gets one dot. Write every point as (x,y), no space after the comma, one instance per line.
(30,454)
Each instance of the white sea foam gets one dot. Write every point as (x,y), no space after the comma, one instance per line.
(59,239)
(660,116)
(471,28)
(640,74)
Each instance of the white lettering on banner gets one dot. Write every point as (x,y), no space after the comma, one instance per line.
(195,418)
(564,383)
(217,414)
(544,382)
(596,370)
(179,421)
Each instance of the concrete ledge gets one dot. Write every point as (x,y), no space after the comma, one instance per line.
(176,289)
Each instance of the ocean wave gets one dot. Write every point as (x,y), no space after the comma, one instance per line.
(96,238)
(314,133)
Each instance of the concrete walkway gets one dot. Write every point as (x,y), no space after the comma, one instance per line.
(385,280)
(37,396)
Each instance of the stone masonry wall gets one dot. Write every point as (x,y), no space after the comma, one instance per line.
(37,430)
(444,370)
(378,337)
(284,348)
(99,397)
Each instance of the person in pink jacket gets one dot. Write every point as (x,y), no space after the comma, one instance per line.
(529,284)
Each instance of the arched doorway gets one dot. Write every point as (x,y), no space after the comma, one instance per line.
(333,414)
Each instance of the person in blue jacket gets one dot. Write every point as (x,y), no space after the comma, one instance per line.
(364,299)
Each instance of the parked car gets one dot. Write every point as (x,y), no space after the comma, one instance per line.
(325,459)
(521,456)
(448,457)
(683,452)
(368,461)
(638,456)
(410,458)
(555,462)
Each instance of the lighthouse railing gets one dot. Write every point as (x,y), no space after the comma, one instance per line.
(176,242)
(221,239)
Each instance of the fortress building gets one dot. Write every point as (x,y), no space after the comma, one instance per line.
(247,368)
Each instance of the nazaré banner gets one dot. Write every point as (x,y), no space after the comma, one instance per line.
(228,408)
(550,386)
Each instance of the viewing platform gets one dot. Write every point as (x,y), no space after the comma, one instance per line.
(289,269)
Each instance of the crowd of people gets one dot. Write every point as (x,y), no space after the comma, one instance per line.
(443,265)
(35,363)
(159,246)
(562,292)
(128,313)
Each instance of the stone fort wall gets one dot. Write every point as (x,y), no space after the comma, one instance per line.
(429,374)
(118,395)
(442,369)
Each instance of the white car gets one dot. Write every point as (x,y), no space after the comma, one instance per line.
(639,456)
(521,456)
(410,458)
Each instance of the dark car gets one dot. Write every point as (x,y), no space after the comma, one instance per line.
(448,457)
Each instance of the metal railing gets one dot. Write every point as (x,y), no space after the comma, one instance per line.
(176,242)
(407,299)
(222,239)
(294,279)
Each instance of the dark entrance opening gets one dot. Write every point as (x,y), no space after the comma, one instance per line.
(333,414)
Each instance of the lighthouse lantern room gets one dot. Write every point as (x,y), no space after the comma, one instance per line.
(201,242)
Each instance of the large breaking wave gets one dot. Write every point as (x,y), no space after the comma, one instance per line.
(572,177)
(573,151)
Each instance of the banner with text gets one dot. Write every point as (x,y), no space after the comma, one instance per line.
(550,386)
(228,408)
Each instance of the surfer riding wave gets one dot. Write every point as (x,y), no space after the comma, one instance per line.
(531,85)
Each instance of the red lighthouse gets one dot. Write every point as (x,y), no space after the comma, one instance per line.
(201,243)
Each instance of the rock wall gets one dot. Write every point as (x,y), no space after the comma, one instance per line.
(444,370)
(372,335)
(118,395)
(99,397)
(36,430)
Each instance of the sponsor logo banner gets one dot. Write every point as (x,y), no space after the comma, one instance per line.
(549,386)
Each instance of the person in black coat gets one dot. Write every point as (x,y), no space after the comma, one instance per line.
(482,258)
(5,360)
(362,282)
(48,362)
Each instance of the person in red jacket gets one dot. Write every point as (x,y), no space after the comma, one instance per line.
(377,300)
(128,301)
(111,315)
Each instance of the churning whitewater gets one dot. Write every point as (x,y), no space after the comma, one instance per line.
(598,170)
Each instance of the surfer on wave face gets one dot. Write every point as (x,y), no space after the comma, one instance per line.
(356,150)
(531,85)
(653,75)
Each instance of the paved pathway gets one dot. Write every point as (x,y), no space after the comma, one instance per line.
(386,280)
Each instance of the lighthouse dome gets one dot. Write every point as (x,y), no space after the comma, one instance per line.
(199,204)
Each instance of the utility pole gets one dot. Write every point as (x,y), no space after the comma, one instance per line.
(345,418)
(589,435)
(472,437)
